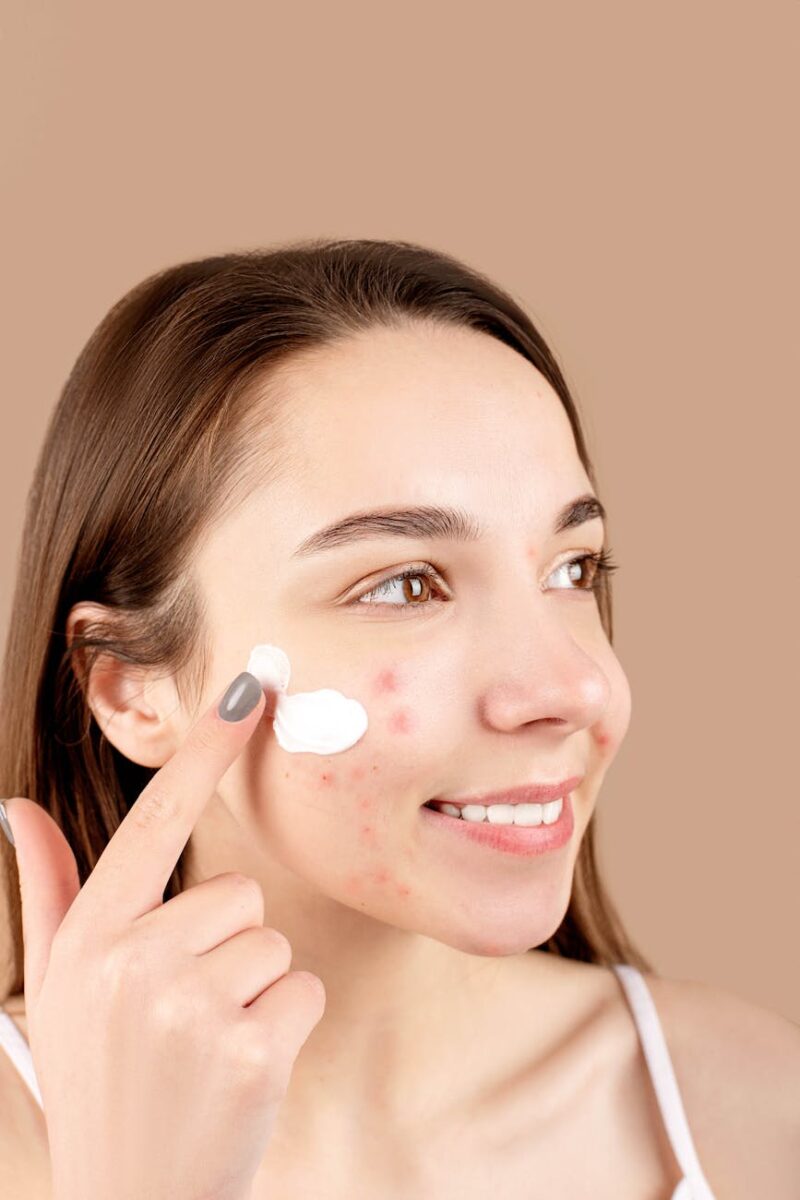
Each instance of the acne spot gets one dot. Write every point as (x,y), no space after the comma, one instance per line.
(382,876)
(357,773)
(352,883)
(403,890)
(327,777)
(386,681)
(400,721)
(602,739)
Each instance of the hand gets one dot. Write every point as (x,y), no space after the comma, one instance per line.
(163,1035)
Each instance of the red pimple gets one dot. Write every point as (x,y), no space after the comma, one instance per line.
(386,681)
(400,721)
(327,777)
(358,773)
(402,890)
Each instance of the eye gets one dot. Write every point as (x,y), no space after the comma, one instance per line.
(592,568)
(410,586)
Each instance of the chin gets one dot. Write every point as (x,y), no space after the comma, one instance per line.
(500,938)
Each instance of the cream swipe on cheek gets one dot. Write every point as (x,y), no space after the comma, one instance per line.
(321,722)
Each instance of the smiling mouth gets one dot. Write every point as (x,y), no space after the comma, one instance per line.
(519,814)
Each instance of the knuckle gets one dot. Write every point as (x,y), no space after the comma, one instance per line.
(152,808)
(259,1060)
(278,941)
(121,964)
(312,984)
(174,1010)
(247,889)
(205,738)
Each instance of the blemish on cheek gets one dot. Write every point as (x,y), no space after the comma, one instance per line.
(382,876)
(352,883)
(403,890)
(358,773)
(400,721)
(327,777)
(386,681)
(602,739)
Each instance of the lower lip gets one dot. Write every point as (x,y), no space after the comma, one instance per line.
(511,839)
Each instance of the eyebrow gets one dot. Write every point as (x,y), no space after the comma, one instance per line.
(431,521)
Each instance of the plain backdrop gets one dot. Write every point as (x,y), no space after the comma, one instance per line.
(629,172)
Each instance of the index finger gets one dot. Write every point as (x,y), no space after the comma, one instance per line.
(132,872)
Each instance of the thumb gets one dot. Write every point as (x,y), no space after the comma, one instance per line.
(48,883)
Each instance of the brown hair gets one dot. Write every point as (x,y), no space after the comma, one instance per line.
(147,447)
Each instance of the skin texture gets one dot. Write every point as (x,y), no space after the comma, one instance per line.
(501,674)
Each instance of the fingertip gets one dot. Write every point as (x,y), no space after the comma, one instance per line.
(240,697)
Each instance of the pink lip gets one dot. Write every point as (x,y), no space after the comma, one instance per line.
(531,793)
(523,840)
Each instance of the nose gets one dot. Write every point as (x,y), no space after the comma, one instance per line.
(538,674)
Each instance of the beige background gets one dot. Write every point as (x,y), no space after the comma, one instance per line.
(627,172)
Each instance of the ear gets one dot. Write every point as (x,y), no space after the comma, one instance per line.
(138,709)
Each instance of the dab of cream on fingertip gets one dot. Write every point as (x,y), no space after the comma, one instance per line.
(320,722)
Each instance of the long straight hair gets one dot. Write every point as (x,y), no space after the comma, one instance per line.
(149,445)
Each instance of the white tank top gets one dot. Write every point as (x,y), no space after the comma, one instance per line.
(693,1185)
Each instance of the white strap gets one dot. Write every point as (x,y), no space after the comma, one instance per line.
(662,1074)
(19,1052)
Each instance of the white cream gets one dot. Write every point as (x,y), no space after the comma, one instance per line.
(320,722)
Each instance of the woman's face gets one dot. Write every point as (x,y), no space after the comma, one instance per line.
(491,671)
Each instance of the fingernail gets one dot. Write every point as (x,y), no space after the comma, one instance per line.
(241,697)
(5,824)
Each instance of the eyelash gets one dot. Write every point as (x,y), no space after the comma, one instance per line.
(602,564)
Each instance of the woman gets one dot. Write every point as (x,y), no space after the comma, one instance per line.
(257,970)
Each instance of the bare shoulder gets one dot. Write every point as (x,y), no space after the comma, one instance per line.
(738,1070)
(24,1161)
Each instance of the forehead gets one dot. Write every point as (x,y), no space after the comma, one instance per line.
(425,414)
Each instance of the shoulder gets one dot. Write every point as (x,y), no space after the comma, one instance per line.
(738,1070)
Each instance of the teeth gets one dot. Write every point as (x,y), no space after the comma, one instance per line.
(505,814)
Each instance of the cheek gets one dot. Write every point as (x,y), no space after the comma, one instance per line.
(334,814)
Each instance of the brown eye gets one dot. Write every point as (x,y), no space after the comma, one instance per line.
(415,589)
(587,570)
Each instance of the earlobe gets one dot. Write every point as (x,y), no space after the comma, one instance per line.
(136,711)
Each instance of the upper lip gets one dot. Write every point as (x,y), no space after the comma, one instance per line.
(527,793)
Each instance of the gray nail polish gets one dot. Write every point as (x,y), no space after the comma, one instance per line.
(5,824)
(241,697)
